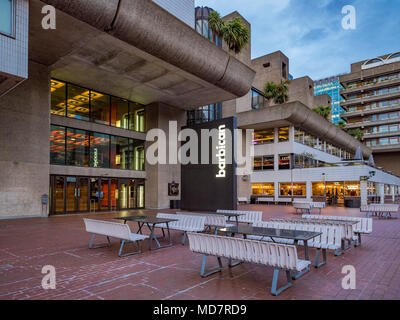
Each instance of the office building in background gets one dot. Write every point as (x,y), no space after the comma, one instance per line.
(372,93)
(332,87)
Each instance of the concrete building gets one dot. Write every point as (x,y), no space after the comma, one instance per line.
(332,87)
(372,103)
(107,74)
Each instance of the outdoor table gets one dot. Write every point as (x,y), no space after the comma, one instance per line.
(229,215)
(150,222)
(295,235)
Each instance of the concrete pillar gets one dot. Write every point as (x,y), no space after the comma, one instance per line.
(392,193)
(276,190)
(25,146)
(381,192)
(158,176)
(309,190)
(364,192)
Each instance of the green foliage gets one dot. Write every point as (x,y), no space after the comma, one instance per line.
(234,32)
(341,124)
(216,24)
(277,92)
(356,133)
(324,111)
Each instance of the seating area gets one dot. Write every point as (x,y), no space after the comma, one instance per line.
(245,216)
(115,230)
(380,210)
(278,256)
(173,272)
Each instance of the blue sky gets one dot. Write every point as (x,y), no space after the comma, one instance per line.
(310,32)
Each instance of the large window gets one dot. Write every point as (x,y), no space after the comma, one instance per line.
(57,145)
(285,189)
(264,136)
(119,153)
(205,114)
(299,189)
(258,100)
(77,148)
(264,163)
(284,162)
(352,188)
(283,134)
(100,150)
(266,189)
(7,16)
(100,108)
(318,189)
(78,102)
(85,104)
(58,97)
(84,148)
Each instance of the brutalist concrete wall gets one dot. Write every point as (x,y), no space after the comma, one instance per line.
(182,9)
(24,146)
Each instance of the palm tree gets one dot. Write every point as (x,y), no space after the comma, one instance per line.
(216,24)
(234,32)
(277,92)
(356,133)
(323,111)
(236,35)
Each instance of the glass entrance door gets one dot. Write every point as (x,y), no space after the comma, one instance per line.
(58,195)
(335,193)
(94,194)
(140,195)
(105,195)
(83,194)
(71,195)
(123,194)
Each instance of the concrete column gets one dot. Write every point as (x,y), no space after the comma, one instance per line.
(25,146)
(276,190)
(381,192)
(364,192)
(158,176)
(392,193)
(309,190)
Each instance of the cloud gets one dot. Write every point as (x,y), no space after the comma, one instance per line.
(310,33)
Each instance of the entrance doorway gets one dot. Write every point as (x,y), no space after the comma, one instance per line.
(335,193)
(72,194)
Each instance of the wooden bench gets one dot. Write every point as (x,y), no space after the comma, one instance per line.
(330,239)
(246,216)
(265,200)
(303,206)
(364,225)
(381,210)
(115,230)
(185,223)
(243,200)
(277,256)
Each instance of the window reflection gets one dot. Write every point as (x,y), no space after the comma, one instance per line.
(78,102)
(57,145)
(77,148)
(100,150)
(100,108)
(119,113)
(58,97)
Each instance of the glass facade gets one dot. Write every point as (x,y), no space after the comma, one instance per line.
(75,147)
(258,99)
(73,101)
(205,114)
(332,87)
(266,189)
(7,17)
(201,25)
(264,136)
(264,163)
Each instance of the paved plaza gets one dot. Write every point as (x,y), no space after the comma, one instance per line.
(26,245)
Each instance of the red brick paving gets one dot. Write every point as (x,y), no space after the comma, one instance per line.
(27,245)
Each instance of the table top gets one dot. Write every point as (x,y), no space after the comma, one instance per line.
(273,233)
(146,219)
(347,222)
(215,213)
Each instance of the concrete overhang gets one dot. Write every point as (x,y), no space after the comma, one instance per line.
(299,115)
(136,50)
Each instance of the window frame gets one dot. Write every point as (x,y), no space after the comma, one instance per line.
(13,22)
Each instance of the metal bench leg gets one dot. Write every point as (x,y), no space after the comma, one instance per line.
(317,253)
(203,267)
(129,253)
(184,238)
(100,245)
(163,233)
(274,290)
